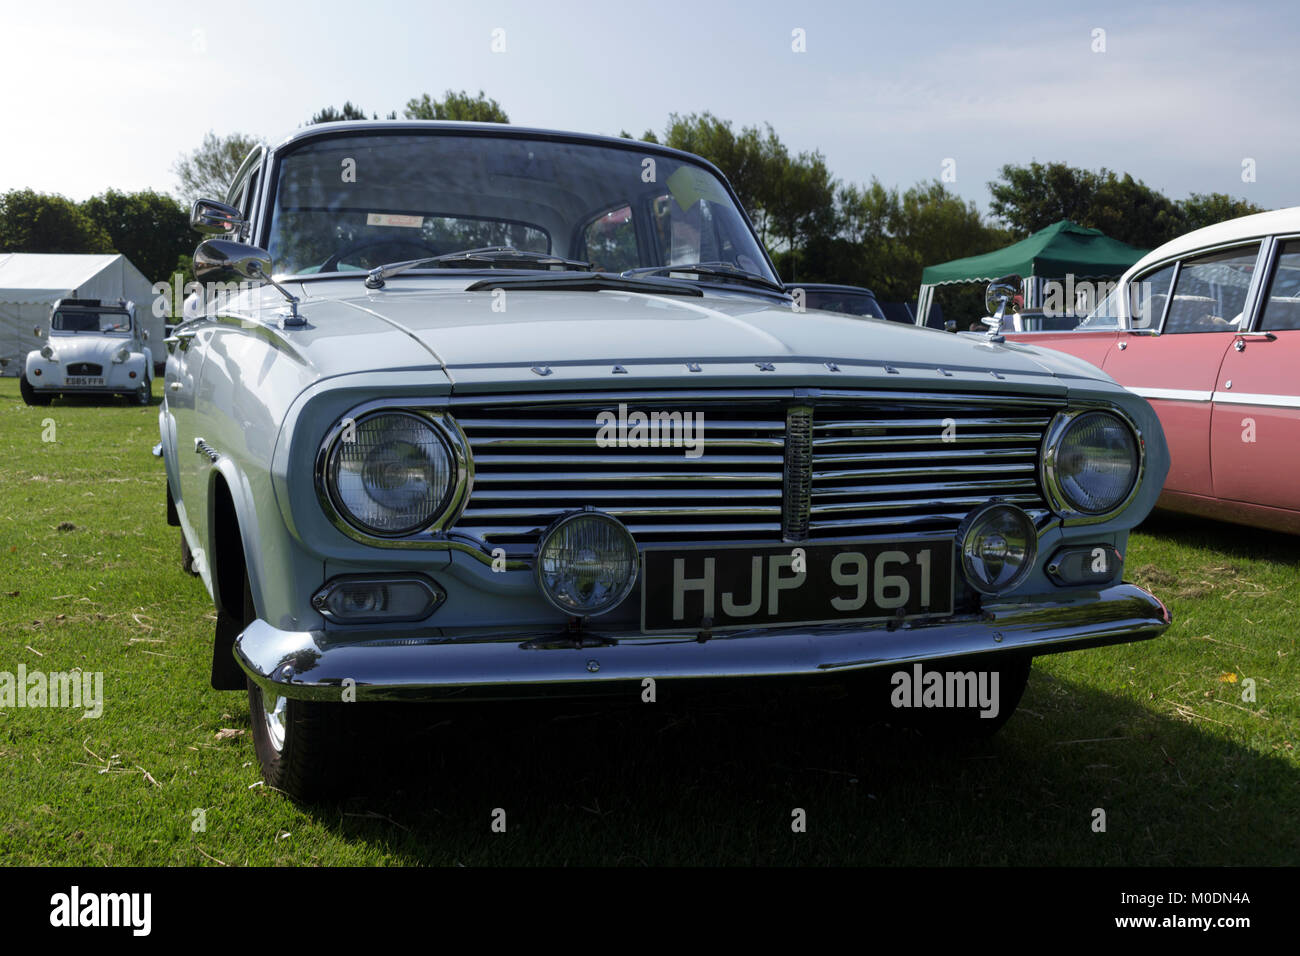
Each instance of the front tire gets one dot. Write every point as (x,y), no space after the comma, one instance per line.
(301,745)
(30,395)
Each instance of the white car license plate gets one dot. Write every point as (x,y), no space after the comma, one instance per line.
(84,380)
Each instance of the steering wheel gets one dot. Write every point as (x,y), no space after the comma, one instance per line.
(331,264)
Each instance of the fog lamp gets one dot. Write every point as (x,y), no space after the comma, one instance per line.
(587,563)
(998,544)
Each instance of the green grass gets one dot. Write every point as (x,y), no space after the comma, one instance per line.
(1156,733)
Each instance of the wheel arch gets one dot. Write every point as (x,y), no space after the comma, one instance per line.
(232,522)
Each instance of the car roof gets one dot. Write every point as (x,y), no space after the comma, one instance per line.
(500,129)
(828,287)
(1244,227)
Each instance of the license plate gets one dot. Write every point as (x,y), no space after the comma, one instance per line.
(744,587)
(83,380)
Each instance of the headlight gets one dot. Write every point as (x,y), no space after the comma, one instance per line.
(1091,463)
(586,563)
(47,353)
(998,544)
(121,355)
(390,473)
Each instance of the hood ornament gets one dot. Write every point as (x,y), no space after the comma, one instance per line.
(1001,296)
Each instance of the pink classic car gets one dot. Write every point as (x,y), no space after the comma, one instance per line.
(1207,328)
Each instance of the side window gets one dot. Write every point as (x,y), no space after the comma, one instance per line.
(609,241)
(250,195)
(1211,291)
(1282,307)
(1147,297)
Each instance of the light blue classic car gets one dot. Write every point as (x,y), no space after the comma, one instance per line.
(487,411)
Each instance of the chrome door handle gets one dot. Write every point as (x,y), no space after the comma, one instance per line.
(1240,344)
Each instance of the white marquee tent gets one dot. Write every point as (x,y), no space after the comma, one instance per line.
(31,282)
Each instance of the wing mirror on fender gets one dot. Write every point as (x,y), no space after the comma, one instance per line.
(1001,296)
(224,260)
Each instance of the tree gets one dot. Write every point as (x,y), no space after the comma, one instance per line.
(330,115)
(800,202)
(149,228)
(456,106)
(753,160)
(1033,197)
(208,171)
(1206,209)
(1028,198)
(41,222)
(884,238)
(647,137)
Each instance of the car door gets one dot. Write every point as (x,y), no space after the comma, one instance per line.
(1255,433)
(1184,316)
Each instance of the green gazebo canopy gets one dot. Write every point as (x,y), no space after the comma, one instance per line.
(1062,249)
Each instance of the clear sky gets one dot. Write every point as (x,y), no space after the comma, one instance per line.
(102,95)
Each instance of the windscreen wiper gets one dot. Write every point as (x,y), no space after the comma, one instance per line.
(722,270)
(490,255)
(587,282)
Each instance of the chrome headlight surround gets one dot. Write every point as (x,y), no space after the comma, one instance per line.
(1049,466)
(121,355)
(454,443)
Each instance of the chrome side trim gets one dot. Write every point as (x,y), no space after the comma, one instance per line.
(1251,398)
(1172,394)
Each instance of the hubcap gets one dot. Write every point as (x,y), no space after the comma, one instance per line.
(275,717)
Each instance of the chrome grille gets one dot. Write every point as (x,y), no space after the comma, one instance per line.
(85,368)
(534,461)
(872,463)
(921,465)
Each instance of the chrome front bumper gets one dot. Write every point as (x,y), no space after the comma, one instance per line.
(302,664)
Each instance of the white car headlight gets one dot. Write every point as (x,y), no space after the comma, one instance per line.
(390,473)
(121,355)
(47,353)
(1091,463)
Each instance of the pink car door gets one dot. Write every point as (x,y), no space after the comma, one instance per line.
(1202,299)
(1255,437)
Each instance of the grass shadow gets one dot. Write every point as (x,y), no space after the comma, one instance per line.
(717,781)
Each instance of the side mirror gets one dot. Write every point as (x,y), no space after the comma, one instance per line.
(215,218)
(38,332)
(999,299)
(224,260)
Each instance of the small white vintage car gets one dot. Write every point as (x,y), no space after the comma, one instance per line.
(490,411)
(92,347)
